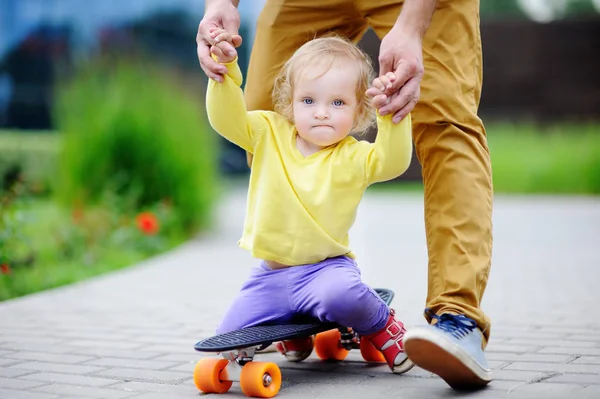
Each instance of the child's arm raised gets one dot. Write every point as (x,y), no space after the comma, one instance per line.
(390,155)
(226,109)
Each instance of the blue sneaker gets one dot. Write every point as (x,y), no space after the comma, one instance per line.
(452,349)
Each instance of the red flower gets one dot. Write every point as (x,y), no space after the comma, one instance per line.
(147,223)
(5,269)
(77,215)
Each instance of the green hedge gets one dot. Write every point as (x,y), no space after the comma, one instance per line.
(134,130)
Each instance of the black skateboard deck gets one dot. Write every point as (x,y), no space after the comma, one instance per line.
(264,335)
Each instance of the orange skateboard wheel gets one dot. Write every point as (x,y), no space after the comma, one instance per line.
(369,352)
(327,346)
(207,375)
(260,379)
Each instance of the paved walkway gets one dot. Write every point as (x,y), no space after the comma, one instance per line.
(130,334)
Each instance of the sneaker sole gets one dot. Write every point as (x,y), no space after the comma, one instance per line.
(447,360)
(403,367)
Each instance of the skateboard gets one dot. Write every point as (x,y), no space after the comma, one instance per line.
(332,342)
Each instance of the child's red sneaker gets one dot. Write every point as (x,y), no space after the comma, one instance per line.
(389,341)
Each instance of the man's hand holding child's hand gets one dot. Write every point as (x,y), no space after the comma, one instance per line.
(377,91)
(221,37)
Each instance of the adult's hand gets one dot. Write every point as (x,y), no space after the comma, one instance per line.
(218,14)
(401,53)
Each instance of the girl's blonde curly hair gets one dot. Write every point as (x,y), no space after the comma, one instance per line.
(324,52)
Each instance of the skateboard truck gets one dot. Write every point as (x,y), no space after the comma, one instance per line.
(233,370)
(348,338)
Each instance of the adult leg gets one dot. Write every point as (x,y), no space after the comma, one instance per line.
(451,145)
(282,27)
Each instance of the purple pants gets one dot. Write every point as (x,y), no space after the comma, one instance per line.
(331,290)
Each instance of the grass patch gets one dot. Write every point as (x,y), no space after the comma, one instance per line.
(29,141)
(559,159)
(530,159)
(53,249)
(34,154)
(398,186)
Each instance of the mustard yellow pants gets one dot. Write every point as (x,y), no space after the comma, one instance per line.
(449,137)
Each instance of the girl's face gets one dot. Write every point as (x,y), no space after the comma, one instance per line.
(325,106)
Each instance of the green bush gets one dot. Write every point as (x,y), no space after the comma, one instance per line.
(134,130)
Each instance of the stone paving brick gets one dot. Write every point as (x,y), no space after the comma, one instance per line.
(138,386)
(20,346)
(14,394)
(571,351)
(529,357)
(57,367)
(156,332)
(552,342)
(182,357)
(29,339)
(91,335)
(4,362)
(76,397)
(591,391)
(14,383)
(184,368)
(587,360)
(106,344)
(167,348)
(160,340)
(13,372)
(570,378)
(528,333)
(518,375)
(50,357)
(91,381)
(504,385)
(144,375)
(10,330)
(512,348)
(132,363)
(160,396)
(117,353)
(558,367)
(79,392)
(570,330)
(584,337)
(547,388)
(497,364)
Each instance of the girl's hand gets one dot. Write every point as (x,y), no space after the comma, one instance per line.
(380,85)
(223,45)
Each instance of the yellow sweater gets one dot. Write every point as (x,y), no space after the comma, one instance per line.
(300,209)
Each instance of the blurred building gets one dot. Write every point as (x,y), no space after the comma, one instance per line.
(38,36)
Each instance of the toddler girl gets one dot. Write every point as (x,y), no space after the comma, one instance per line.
(307,179)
